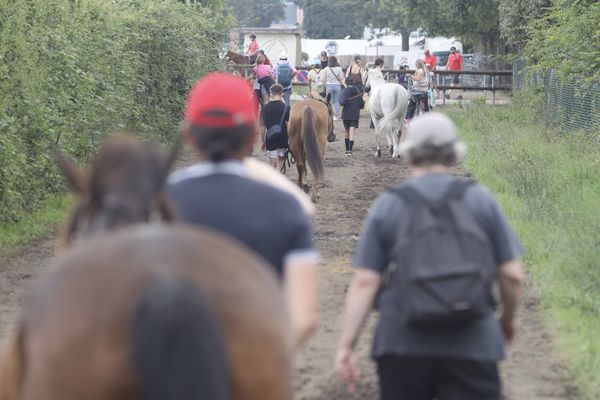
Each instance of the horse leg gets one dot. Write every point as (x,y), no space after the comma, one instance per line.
(397,134)
(377,133)
(306,186)
(390,140)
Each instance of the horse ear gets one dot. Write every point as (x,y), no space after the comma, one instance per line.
(329,97)
(75,175)
(170,159)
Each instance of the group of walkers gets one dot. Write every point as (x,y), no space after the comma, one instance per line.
(428,254)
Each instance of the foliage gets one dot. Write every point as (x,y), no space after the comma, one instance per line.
(334,19)
(567,39)
(549,186)
(72,71)
(257,13)
(515,16)
(474,21)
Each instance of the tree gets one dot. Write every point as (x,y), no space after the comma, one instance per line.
(334,19)
(567,39)
(256,13)
(515,17)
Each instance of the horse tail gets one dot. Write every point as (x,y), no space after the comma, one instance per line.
(310,142)
(401,103)
(177,346)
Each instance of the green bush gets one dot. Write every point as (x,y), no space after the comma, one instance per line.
(73,71)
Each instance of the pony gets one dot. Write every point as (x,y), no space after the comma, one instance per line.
(125,186)
(146,310)
(388,103)
(311,120)
(237,58)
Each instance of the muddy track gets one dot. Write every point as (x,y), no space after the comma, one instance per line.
(350,186)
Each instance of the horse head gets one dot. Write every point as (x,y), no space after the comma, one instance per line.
(124,186)
(373,78)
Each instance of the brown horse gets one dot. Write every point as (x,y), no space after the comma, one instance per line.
(311,120)
(125,186)
(153,311)
(237,58)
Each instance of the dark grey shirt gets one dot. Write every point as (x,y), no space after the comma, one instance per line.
(480,340)
(265,219)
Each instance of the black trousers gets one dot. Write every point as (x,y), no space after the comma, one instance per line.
(412,104)
(428,378)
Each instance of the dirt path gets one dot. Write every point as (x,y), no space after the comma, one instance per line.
(351,184)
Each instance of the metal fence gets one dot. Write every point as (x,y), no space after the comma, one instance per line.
(569,105)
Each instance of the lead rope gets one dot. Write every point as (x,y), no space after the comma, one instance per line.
(289,159)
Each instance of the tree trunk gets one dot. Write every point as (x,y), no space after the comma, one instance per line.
(405,33)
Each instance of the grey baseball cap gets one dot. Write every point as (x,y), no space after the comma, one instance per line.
(433,129)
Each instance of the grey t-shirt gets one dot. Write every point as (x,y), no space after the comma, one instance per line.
(480,340)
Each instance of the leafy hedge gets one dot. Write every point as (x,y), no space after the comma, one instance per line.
(72,71)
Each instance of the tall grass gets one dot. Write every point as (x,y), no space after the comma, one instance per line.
(549,184)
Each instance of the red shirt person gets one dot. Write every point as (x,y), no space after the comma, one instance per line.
(252,50)
(430,59)
(455,63)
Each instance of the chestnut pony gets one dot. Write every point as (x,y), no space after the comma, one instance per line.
(149,311)
(237,58)
(311,120)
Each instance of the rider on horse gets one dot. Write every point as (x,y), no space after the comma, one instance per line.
(252,50)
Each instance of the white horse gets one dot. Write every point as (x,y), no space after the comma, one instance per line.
(387,105)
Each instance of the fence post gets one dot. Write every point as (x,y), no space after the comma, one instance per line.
(493,90)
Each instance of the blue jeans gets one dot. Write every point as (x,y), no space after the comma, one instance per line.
(287,93)
(335,89)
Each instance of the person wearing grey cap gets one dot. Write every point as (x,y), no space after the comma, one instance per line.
(429,252)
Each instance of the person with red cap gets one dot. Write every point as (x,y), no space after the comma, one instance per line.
(221,124)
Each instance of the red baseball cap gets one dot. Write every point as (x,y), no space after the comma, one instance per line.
(221,100)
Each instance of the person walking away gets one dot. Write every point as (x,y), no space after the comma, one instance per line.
(334,76)
(454,63)
(315,78)
(284,73)
(266,61)
(418,90)
(351,100)
(357,72)
(252,49)
(324,59)
(427,347)
(216,193)
(275,113)
(263,73)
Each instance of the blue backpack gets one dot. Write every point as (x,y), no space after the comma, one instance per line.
(284,74)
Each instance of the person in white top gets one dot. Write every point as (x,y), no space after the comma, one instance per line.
(334,78)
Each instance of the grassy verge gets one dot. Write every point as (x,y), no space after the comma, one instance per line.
(549,184)
(35,225)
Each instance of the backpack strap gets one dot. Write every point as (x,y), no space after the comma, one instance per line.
(408,193)
(411,196)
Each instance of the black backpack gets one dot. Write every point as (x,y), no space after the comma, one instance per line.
(443,263)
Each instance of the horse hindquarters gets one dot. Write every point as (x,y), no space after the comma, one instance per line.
(312,148)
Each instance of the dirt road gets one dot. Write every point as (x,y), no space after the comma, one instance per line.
(351,184)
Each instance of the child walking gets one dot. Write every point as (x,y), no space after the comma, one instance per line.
(351,99)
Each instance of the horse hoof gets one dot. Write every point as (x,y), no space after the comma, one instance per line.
(391,151)
(378,153)
(306,188)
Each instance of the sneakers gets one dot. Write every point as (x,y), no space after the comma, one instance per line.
(335,118)
(348,152)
